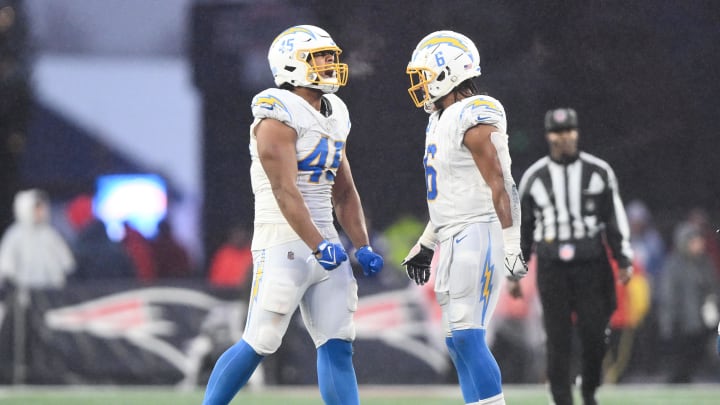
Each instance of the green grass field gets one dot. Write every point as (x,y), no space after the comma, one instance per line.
(370,395)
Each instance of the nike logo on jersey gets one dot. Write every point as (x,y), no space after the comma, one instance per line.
(458,240)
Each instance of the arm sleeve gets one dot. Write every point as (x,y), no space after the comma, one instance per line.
(511,234)
(428,237)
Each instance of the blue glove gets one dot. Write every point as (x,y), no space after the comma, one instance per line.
(330,255)
(370,261)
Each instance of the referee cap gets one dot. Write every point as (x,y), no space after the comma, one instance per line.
(560,119)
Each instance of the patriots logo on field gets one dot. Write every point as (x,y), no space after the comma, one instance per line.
(139,327)
(138,317)
(392,317)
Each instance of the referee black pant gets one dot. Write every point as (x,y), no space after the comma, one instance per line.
(577,295)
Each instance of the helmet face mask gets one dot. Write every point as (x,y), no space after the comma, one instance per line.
(441,61)
(298,57)
(322,73)
(419,79)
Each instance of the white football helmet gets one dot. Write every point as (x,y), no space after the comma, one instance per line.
(440,62)
(291,58)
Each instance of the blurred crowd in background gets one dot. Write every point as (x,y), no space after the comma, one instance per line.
(655,130)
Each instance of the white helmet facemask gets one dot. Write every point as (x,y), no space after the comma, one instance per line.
(299,57)
(440,62)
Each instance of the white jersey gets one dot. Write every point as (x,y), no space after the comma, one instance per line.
(320,143)
(457,194)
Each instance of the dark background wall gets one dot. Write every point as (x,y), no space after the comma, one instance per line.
(14,103)
(642,76)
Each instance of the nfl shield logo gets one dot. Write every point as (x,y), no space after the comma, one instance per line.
(566,252)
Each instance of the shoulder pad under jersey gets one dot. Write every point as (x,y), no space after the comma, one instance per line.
(482,110)
(273,103)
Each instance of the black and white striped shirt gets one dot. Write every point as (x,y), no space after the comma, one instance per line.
(568,206)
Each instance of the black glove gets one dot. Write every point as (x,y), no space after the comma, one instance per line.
(417,263)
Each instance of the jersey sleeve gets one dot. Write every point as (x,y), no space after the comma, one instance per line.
(482,110)
(270,104)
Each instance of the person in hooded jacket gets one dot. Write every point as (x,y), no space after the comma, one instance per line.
(687,301)
(33,257)
(33,254)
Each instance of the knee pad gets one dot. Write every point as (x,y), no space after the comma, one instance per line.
(460,316)
(460,313)
(277,302)
(268,340)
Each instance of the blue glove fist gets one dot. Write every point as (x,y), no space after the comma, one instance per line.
(370,261)
(330,255)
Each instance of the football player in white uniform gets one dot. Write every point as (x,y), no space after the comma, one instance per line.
(300,174)
(473,205)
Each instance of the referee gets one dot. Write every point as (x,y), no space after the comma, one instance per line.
(572,215)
